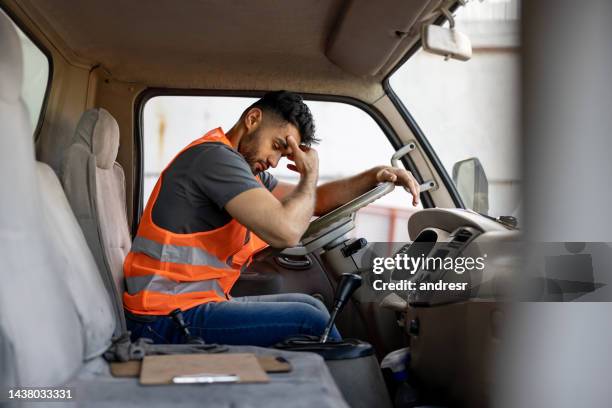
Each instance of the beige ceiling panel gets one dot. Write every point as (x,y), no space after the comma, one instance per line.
(369,32)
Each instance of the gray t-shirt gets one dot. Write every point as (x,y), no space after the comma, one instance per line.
(198,184)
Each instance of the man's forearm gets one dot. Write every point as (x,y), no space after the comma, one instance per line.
(335,193)
(299,205)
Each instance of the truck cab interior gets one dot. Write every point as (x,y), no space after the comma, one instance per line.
(72,182)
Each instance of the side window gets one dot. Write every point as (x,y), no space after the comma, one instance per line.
(469,111)
(351,142)
(35,77)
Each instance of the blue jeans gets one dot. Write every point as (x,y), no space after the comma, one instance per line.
(250,320)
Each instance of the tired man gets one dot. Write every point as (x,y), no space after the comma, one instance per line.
(213,207)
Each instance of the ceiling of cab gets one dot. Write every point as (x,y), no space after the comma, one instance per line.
(228,44)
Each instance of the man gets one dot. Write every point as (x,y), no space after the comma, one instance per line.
(195,236)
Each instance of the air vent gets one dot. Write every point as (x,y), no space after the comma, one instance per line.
(461,237)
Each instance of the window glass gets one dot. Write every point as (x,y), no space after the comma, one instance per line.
(470,109)
(351,142)
(35,77)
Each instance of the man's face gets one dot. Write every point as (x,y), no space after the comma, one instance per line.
(264,145)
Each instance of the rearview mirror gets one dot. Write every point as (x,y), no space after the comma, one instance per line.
(472,183)
(447,42)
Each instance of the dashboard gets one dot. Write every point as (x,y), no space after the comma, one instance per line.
(456,255)
(454,334)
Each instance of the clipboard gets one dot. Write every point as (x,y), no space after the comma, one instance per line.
(162,369)
(270,364)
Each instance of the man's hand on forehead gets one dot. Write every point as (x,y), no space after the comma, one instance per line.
(292,146)
(305,159)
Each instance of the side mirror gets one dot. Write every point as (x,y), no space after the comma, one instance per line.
(471,181)
(447,42)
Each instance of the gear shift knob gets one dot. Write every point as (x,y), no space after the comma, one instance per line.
(348,285)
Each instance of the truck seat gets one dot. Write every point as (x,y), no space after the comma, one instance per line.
(95,186)
(41,337)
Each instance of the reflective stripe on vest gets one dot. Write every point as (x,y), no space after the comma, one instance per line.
(176,254)
(166,270)
(157,283)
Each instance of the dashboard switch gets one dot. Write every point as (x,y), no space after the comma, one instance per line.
(354,247)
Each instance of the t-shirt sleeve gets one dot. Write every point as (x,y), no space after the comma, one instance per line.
(222,173)
(268,180)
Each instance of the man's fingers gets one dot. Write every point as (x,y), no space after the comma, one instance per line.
(414,188)
(402,178)
(386,175)
(295,148)
(389,175)
(411,184)
(415,194)
(406,179)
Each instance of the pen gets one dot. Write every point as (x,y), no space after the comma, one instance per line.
(205,378)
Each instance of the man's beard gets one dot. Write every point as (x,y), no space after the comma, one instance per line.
(248,150)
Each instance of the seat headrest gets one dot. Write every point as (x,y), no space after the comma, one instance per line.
(11,63)
(99,132)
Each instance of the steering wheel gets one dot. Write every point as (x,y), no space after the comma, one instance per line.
(347,209)
(338,222)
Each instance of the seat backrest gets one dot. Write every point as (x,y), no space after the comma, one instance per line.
(95,186)
(77,268)
(41,343)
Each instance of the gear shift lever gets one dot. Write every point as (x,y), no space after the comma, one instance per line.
(348,285)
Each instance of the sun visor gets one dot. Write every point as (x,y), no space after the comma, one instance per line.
(370,33)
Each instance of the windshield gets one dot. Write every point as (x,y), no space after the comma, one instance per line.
(469,110)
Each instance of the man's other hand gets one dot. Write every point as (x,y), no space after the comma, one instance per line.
(305,159)
(400,177)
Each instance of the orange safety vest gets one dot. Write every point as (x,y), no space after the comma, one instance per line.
(165,270)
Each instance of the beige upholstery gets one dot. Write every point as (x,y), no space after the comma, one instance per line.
(11,65)
(365,51)
(40,334)
(110,190)
(95,186)
(76,265)
(285,47)
(99,132)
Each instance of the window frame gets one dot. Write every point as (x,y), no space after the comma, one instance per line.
(411,122)
(424,143)
(149,93)
(48,55)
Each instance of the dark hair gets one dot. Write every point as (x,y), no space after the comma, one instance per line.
(291,108)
